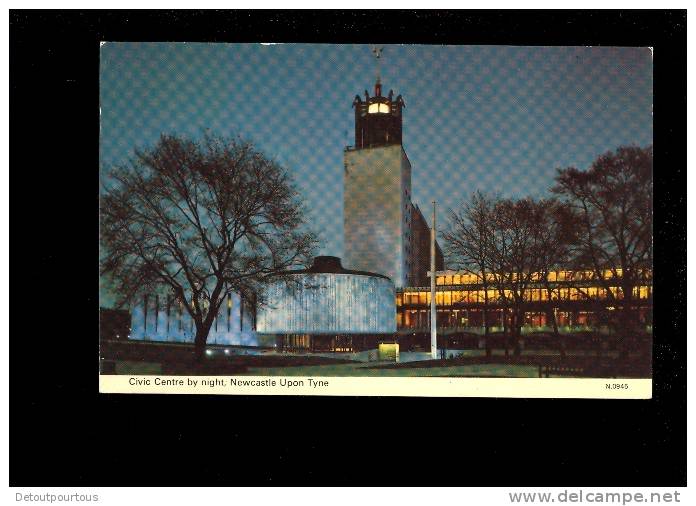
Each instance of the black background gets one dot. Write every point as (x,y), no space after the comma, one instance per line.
(63,432)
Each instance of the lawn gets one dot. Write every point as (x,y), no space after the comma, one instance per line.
(164,360)
(362,369)
(349,369)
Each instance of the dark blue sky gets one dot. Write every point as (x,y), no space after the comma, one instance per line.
(495,118)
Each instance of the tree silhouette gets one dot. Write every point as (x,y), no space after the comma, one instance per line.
(515,250)
(466,241)
(200,220)
(557,225)
(613,200)
(509,245)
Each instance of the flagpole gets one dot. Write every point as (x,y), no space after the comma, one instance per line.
(433,310)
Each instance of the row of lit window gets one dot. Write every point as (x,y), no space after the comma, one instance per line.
(463,318)
(449,297)
(553,276)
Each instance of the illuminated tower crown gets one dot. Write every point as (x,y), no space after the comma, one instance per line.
(377,119)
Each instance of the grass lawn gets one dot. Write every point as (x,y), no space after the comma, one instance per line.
(354,369)
(133,367)
(361,369)
(162,360)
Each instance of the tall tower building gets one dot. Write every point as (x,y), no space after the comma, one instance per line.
(378,213)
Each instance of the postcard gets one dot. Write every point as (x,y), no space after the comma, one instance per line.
(376,220)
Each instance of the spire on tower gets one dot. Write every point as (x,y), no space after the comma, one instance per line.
(377,52)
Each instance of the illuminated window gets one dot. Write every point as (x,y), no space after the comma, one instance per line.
(457,279)
(448,298)
(373,108)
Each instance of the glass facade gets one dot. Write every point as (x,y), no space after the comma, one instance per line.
(575,297)
(329,303)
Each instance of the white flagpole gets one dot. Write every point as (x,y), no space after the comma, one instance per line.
(433,310)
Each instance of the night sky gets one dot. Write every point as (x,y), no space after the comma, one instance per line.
(495,118)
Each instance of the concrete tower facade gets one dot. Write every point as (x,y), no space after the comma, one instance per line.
(377,211)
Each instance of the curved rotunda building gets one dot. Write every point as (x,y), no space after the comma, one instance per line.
(329,308)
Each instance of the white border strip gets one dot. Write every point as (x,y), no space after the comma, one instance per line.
(556,388)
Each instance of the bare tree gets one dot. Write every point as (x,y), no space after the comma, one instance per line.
(466,243)
(614,201)
(203,219)
(557,239)
(514,250)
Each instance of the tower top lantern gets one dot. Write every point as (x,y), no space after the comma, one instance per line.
(378,119)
